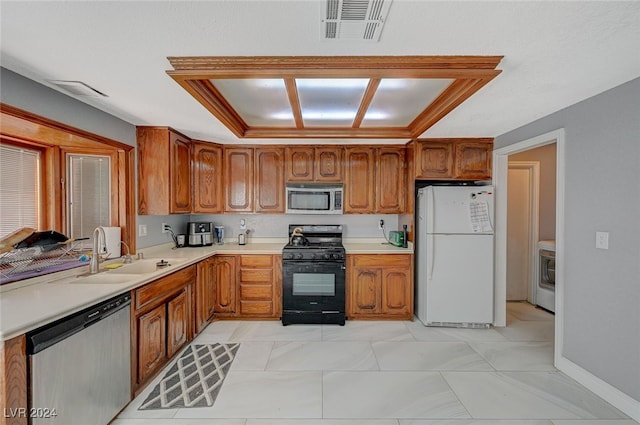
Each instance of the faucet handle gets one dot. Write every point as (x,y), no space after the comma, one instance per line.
(140,255)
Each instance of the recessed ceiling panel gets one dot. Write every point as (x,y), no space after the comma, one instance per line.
(397,100)
(259,101)
(356,97)
(330,101)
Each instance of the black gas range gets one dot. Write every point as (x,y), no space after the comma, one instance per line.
(313,275)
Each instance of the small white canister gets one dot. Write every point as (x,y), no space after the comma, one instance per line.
(242,239)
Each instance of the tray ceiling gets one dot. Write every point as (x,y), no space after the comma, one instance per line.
(332,96)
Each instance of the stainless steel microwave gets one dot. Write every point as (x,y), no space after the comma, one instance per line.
(314,198)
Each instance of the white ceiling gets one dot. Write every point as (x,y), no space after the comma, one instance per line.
(555,53)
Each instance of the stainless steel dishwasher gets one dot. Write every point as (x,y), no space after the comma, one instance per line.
(80,366)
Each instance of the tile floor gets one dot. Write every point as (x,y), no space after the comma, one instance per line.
(390,373)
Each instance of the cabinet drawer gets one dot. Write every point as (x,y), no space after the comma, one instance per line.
(262,308)
(256,275)
(382,260)
(265,261)
(156,292)
(260,292)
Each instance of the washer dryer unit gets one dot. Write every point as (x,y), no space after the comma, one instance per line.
(546,275)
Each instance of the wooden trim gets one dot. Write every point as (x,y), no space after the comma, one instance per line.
(370,91)
(469,74)
(26,128)
(294,100)
(13,381)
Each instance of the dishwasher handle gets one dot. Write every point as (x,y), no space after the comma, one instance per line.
(52,333)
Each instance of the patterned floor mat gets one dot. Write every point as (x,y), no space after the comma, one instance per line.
(195,378)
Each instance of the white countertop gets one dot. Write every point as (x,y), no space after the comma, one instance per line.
(27,305)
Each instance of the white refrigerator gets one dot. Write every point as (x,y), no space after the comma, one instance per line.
(454,256)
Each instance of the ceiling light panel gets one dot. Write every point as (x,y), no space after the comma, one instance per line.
(260,102)
(330,101)
(397,100)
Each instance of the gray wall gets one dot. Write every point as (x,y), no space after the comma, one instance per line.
(602,193)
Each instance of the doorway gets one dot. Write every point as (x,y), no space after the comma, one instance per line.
(501,179)
(522,228)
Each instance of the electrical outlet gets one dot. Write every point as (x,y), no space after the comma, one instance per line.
(243,224)
(602,240)
(380,224)
(165,228)
(142,230)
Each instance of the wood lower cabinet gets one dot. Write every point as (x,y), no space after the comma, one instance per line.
(380,286)
(207,178)
(205,294)
(225,285)
(164,171)
(163,322)
(13,380)
(260,286)
(152,342)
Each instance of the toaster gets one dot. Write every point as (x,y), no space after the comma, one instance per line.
(396,238)
(200,233)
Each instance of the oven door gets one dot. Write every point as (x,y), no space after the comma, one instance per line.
(313,286)
(547,270)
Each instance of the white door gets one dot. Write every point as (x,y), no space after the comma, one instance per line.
(521,219)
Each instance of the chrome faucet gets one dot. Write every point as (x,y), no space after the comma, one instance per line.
(94,265)
(127,257)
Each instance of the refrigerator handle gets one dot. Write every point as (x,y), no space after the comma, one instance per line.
(431,210)
(431,242)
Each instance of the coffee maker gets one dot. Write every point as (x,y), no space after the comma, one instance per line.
(200,233)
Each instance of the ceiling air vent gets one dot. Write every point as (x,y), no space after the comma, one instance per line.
(77,88)
(354,19)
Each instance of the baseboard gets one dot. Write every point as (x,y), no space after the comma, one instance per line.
(609,393)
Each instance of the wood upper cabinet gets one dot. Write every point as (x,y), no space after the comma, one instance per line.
(453,159)
(269,180)
(205,294)
(380,286)
(359,191)
(238,173)
(313,164)
(473,160)
(391,180)
(207,178)
(164,171)
(434,160)
(225,285)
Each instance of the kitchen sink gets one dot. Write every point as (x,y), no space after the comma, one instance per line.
(103,278)
(148,265)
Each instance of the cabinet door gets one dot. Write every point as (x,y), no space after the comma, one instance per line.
(299,163)
(269,184)
(434,160)
(238,166)
(225,284)
(473,160)
(207,176)
(178,322)
(396,291)
(151,341)
(366,290)
(328,164)
(205,293)
(390,180)
(360,184)
(180,174)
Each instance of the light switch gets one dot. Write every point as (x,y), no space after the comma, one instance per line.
(142,230)
(602,240)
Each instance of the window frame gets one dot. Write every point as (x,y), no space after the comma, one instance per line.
(55,140)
